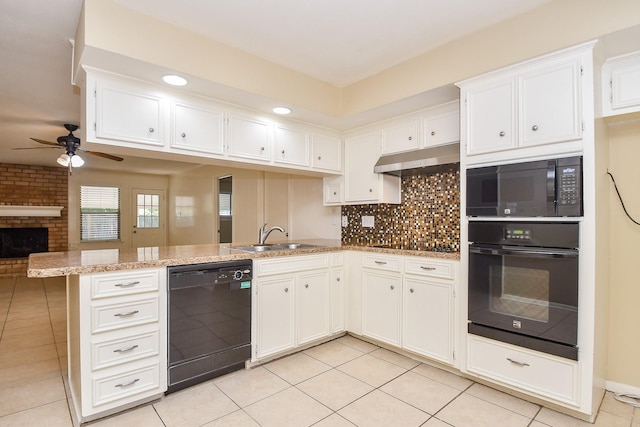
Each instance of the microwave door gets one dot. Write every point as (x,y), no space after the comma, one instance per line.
(527,191)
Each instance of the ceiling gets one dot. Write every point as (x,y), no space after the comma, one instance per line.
(338,41)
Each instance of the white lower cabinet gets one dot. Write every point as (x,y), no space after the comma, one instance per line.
(408,302)
(117,340)
(294,301)
(546,375)
(381,305)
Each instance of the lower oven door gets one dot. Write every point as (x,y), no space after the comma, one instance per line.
(525,291)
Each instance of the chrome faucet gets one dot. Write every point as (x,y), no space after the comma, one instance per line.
(263,235)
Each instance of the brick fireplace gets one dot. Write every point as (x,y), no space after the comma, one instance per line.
(25,185)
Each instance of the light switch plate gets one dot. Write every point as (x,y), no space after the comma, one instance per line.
(367,221)
(345,221)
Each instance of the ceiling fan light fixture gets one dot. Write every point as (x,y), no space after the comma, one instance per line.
(64,160)
(174,80)
(76,161)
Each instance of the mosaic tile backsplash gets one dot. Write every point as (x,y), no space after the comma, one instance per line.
(427,219)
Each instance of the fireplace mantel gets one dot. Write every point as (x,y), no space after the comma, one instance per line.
(15,210)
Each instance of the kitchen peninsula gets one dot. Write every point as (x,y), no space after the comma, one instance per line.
(117,308)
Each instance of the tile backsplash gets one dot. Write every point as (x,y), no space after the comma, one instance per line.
(428,217)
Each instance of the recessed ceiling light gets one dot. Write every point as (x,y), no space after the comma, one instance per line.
(174,80)
(281,110)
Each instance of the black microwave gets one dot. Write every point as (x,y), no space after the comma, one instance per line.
(546,188)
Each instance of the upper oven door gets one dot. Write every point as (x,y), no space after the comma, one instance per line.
(527,189)
(530,291)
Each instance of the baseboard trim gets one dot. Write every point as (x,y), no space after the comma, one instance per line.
(622,388)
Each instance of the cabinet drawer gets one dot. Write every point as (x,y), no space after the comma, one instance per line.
(381,262)
(113,352)
(130,282)
(547,375)
(122,315)
(128,384)
(429,267)
(290,264)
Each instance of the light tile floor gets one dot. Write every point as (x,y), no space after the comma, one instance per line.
(346,382)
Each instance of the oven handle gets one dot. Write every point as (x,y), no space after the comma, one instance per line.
(528,252)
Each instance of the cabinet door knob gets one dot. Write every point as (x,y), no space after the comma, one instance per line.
(306,285)
(410,138)
(337,279)
(183,134)
(261,148)
(411,290)
(335,193)
(433,132)
(371,190)
(282,151)
(151,130)
(501,133)
(286,289)
(534,128)
(392,287)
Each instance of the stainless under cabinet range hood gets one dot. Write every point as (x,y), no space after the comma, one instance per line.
(412,162)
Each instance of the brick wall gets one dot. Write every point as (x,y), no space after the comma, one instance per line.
(26,185)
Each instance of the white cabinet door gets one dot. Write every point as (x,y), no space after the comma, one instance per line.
(327,152)
(491,117)
(125,113)
(249,138)
(312,306)
(275,314)
(197,128)
(381,301)
(291,145)
(550,104)
(361,154)
(621,85)
(332,188)
(427,318)
(337,300)
(442,129)
(401,137)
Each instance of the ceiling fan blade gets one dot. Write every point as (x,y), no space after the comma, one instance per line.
(42,141)
(33,148)
(105,155)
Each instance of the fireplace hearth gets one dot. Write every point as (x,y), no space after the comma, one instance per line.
(20,242)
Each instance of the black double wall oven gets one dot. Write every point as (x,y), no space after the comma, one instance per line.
(524,266)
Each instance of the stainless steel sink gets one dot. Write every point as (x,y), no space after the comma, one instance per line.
(274,247)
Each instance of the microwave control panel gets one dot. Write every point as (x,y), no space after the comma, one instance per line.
(569,191)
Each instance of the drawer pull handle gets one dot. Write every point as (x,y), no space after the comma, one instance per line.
(124,350)
(130,383)
(515,362)
(126,285)
(427,268)
(131,313)
(381,262)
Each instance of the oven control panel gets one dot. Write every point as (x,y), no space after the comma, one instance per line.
(517,233)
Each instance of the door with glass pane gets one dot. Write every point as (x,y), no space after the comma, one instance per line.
(148,224)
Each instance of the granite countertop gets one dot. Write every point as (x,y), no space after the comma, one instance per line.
(53,264)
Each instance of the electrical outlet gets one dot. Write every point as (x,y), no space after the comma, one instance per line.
(367,221)
(345,221)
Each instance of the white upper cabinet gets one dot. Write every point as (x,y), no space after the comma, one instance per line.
(362,185)
(249,138)
(550,103)
(197,127)
(532,109)
(401,137)
(491,117)
(326,152)
(128,113)
(291,145)
(621,85)
(442,128)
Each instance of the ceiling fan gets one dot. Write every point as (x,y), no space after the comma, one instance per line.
(71,144)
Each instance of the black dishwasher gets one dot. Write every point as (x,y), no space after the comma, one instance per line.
(209,311)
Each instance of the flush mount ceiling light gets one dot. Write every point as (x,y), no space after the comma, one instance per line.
(281,110)
(174,80)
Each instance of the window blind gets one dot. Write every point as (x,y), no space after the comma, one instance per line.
(99,213)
